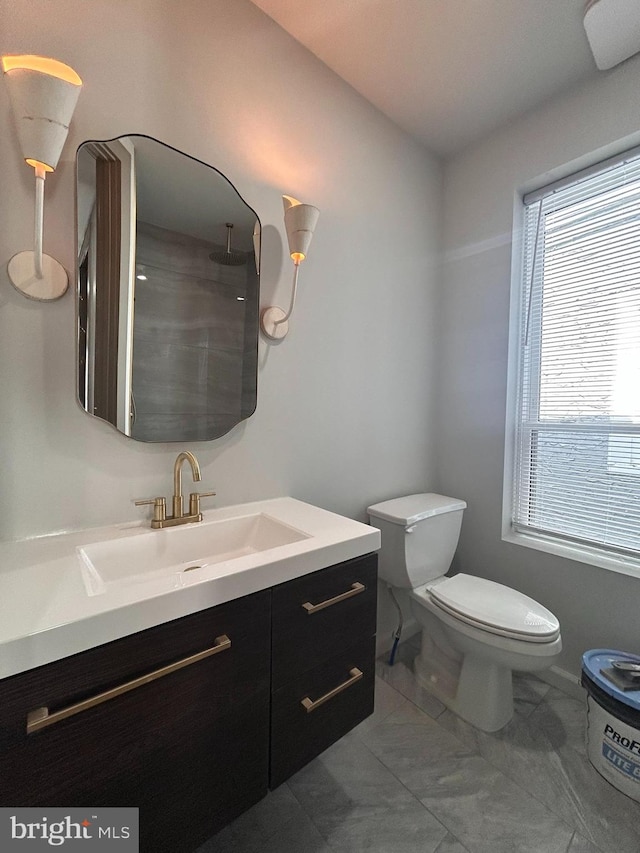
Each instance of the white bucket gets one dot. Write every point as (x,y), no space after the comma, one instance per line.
(613,748)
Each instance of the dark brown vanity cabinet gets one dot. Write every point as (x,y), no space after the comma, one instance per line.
(322,663)
(189,748)
(178,719)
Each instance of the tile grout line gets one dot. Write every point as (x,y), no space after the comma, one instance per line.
(517,784)
(571,841)
(457,840)
(310,816)
(400,782)
(480,755)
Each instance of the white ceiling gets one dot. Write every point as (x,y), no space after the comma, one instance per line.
(447,71)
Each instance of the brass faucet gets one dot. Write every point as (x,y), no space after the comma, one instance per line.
(160,517)
(186,455)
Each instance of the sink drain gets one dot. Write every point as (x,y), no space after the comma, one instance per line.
(191,568)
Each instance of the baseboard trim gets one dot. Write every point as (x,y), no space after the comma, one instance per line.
(563,680)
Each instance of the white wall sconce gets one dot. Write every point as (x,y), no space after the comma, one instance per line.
(43,94)
(300,221)
(613,30)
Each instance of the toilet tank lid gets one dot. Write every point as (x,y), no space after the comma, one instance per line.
(414,508)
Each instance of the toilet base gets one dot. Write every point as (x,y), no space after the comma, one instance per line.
(475,688)
(484,694)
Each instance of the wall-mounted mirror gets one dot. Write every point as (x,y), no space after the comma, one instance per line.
(168,291)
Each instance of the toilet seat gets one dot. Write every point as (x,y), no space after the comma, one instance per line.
(493,607)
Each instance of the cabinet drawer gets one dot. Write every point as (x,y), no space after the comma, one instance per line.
(240,670)
(319,707)
(316,616)
(189,748)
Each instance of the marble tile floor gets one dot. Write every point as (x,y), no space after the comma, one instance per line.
(413,778)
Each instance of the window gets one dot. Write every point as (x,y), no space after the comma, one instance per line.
(576,470)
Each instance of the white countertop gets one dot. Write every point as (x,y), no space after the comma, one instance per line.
(47,613)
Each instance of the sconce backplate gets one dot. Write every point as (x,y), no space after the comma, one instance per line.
(270,326)
(22,275)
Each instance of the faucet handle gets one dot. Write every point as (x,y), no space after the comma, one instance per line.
(194,501)
(159,507)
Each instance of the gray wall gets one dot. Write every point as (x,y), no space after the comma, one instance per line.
(596,607)
(345,403)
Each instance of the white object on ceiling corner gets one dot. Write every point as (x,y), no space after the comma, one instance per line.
(613,30)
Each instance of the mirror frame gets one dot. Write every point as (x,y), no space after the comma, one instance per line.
(86,291)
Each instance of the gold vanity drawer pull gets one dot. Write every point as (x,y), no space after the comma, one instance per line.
(41,718)
(356,588)
(310,705)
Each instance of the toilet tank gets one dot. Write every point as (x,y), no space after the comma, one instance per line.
(419,536)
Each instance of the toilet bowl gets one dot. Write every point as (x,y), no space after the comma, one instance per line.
(475,632)
(468,662)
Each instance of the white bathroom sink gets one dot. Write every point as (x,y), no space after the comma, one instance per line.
(90,587)
(182,555)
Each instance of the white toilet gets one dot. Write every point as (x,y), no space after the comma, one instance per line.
(474,632)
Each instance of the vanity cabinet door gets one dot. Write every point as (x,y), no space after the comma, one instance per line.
(189,748)
(317,615)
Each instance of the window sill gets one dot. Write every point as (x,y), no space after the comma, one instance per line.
(581,553)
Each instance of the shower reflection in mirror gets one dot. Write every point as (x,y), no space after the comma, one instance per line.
(168,288)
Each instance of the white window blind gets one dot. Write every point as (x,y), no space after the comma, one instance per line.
(577,461)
